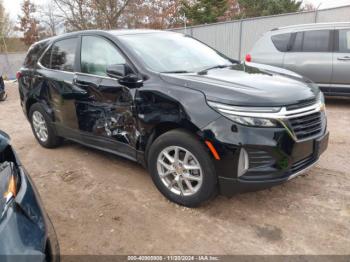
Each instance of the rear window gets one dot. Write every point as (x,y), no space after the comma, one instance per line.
(61,56)
(281,42)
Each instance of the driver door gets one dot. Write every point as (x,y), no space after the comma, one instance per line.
(105,116)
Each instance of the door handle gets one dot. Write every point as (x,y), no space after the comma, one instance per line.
(344,58)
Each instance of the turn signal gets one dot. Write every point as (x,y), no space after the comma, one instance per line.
(213,150)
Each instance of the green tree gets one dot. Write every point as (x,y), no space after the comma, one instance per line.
(255,8)
(204,11)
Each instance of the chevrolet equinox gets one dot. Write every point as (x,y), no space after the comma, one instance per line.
(200,122)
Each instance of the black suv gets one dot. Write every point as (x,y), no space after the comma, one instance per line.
(200,122)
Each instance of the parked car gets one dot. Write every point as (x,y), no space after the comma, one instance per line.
(26,232)
(320,52)
(3,94)
(199,121)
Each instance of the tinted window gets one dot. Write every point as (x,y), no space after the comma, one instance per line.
(281,42)
(316,41)
(298,42)
(61,55)
(97,54)
(34,54)
(344,41)
(46,59)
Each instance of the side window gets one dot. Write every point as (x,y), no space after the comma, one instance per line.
(97,54)
(344,41)
(34,54)
(46,59)
(298,42)
(61,55)
(281,42)
(316,41)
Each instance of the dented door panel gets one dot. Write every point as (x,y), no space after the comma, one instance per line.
(105,115)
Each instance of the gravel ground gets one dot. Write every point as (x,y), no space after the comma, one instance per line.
(103,204)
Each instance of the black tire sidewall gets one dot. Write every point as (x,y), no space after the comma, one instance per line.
(52,140)
(191,143)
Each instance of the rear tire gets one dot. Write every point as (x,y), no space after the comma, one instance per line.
(42,127)
(182,169)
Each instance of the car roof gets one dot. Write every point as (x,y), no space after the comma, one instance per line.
(312,26)
(112,32)
(134,31)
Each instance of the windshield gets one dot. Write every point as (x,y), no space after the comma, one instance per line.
(171,52)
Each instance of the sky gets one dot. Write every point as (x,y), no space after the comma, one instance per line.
(13,6)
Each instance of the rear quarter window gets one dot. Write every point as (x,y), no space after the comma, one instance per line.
(281,41)
(34,54)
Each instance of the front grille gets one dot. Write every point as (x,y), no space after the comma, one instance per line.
(307,126)
(302,164)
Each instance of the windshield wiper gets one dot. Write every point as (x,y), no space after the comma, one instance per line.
(205,71)
(176,72)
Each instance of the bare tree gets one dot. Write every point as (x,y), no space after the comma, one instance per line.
(50,18)
(108,12)
(156,14)
(309,7)
(6,25)
(91,14)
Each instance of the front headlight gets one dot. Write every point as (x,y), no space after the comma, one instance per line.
(8,186)
(248,116)
(322,101)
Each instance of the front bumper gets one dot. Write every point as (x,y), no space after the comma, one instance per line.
(274,155)
(26,232)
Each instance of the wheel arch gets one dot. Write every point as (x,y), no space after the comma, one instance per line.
(165,127)
(31,101)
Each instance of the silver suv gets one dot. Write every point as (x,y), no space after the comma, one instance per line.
(320,52)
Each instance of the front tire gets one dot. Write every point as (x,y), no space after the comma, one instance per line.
(42,127)
(182,169)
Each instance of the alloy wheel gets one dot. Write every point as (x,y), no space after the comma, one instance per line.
(40,126)
(180,171)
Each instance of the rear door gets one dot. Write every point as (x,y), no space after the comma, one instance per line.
(311,55)
(341,62)
(105,115)
(56,73)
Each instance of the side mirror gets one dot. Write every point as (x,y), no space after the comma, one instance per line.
(117,71)
(125,75)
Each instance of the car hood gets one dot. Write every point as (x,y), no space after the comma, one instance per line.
(249,84)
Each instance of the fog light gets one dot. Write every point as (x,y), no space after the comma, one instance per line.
(243,163)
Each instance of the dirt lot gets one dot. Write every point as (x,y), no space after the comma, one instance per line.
(103,204)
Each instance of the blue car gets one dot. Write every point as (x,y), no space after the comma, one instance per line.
(26,232)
